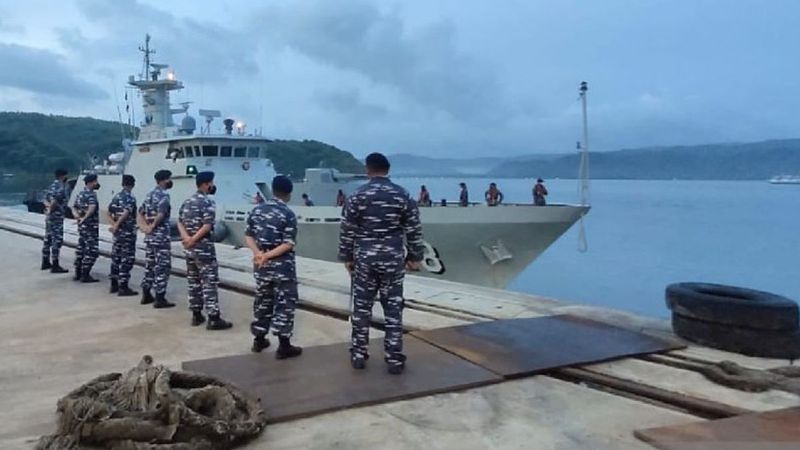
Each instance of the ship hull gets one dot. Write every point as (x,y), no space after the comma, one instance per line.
(478,245)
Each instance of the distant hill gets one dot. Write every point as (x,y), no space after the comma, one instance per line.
(32,145)
(420,166)
(741,161)
(293,157)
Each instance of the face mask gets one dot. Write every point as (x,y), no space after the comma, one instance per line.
(213,190)
(97,187)
(168,185)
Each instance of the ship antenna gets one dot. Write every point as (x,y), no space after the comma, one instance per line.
(119,111)
(147,52)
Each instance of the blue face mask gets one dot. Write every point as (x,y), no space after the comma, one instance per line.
(213,190)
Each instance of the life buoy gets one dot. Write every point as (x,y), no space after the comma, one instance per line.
(431,261)
(246,165)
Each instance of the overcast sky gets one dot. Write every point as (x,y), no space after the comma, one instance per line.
(429,77)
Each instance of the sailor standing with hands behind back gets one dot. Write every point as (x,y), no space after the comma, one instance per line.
(86,211)
(196,225)
(380,237)
(154,214)
(122,217)
(271,235)
(55,201)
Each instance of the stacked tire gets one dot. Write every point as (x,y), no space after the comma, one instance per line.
(734,319)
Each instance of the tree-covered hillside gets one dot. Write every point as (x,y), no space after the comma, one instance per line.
(291,158)
(32,145)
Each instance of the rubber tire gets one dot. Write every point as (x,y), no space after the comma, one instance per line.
(760,343)
(729,305)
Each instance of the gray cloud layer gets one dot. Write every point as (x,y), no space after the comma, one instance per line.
(423,64)
(42,72)
(446,77)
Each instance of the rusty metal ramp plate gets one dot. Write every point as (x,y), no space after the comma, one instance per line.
(321,380)
(774,430)
(519,347)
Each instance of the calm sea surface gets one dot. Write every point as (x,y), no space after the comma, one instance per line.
(644,235)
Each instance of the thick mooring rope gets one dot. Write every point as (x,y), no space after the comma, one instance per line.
(153,408)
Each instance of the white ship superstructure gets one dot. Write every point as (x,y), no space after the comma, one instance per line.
(475,244)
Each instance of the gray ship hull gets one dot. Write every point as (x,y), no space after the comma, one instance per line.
(476,245)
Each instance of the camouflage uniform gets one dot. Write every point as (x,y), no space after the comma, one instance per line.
(202,271)
(272,224)
(379,220)
(88,231)
(56,195)
(123,252)
(158,259)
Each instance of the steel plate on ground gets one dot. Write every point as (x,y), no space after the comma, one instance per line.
(519,347)
(775,430)
(321,379)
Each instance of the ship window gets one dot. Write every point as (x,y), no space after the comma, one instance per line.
(174,153)
(240,152)
(210,150)
(189,152)
(252,152)
(225,151)
(197,150)
(263,153)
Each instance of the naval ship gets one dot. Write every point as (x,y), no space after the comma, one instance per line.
(476,244)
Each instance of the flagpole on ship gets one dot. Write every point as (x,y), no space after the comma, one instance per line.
(583,171)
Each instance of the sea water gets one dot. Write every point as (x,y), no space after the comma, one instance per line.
(643,235)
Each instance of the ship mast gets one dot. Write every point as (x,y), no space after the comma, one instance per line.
(147,52)
(158,123)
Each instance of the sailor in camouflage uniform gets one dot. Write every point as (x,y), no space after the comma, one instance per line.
(85,210)
(154,214)
(122,217)
(196,225)
(379,220)
(271,234)
(55,200)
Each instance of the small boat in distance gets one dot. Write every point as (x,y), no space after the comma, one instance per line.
(785,179)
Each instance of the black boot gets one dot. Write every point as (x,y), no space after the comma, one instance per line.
(162,302)
(147,297)
(46,263)
(57,268)
(78,274)
(286,349)
(216,322)
(198,318)
(114,286)
(396,369)
(259,343)
(125,291)
(358,363)
(87,278)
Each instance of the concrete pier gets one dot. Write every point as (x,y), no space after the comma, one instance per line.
(56,334)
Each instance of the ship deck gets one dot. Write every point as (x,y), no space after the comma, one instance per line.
(57,334)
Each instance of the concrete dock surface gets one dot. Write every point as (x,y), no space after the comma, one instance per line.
(56,334)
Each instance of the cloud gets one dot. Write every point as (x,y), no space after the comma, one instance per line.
(202,51)
(423,63)
(348,102)
(6,27)
(42,72)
